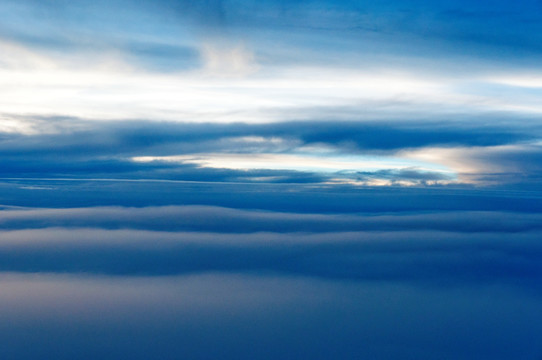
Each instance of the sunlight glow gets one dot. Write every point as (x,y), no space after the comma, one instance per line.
(326,164)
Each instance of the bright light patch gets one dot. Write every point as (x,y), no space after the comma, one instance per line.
(532,81)
(479,165)
(324,164)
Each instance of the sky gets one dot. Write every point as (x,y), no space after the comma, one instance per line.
(270,179)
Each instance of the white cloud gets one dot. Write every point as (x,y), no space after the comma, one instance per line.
(525,81)
(223,60)
(230,87)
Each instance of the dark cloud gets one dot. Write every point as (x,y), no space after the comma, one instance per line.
(134,137)
(296,198)
(71,147)
(410,255)
(402,174)
(393,136)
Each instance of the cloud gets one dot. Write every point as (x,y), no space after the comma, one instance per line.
(439,35)
(515,165)
(224,60)
(228,220)
(409,255)
(237,315)
(301,197)
(109,82)
(253,228)
(176,292)
(364,135)
(289,151)
(412,174)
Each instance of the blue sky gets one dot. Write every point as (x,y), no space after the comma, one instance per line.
(270,179)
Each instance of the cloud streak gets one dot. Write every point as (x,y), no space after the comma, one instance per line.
(410,255)
(395,151)
(224,220)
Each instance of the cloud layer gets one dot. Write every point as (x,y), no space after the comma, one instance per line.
(307,179)
(369,152)
(171,281)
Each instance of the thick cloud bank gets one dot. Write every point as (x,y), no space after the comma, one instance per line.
(204,281)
